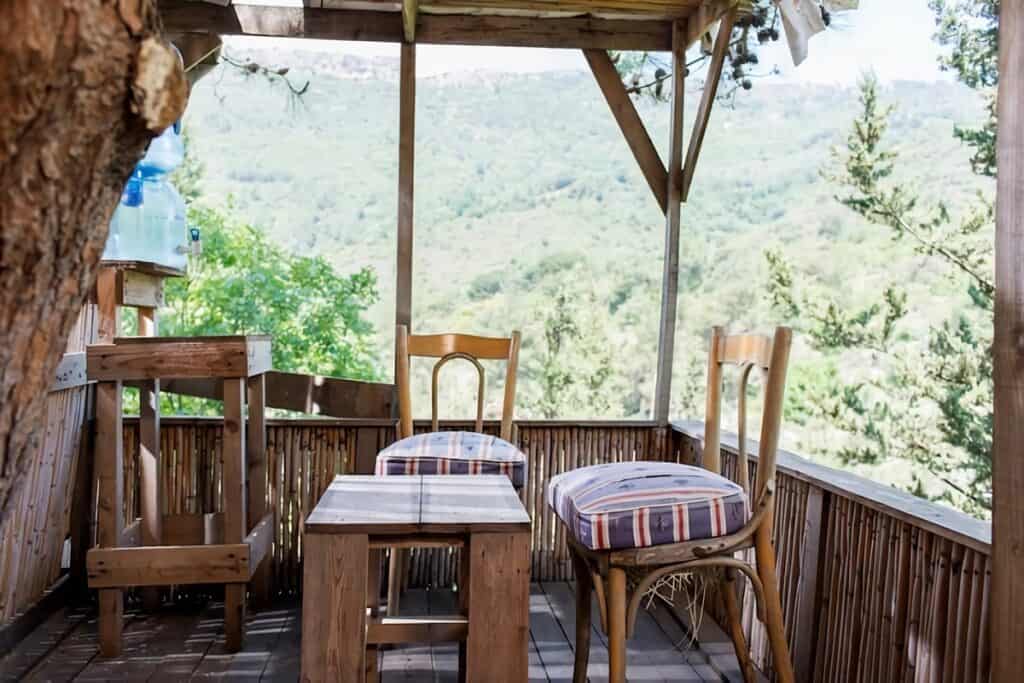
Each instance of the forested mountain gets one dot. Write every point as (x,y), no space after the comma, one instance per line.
(531,213)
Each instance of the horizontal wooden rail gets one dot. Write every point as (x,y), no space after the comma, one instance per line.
(433,629)
(193,529)
(938,519)
(312,394)
(168,565)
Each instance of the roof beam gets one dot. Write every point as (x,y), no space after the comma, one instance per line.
(199,52)
(701,20)
(181,16)
(409,10)
(707,100)
(632,127)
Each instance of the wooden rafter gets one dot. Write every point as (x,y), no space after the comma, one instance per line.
(180,16)
(646,155)
(410,9)
(707,101)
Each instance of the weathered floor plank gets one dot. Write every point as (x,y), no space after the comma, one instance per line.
(186,643)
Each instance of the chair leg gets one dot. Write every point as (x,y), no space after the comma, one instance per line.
(615,594)
(396,570)
(773,604)
(584,595)
(739,641)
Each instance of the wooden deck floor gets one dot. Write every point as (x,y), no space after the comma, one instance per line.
(186,643)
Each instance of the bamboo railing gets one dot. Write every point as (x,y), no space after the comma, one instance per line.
(304,455)
(876,584)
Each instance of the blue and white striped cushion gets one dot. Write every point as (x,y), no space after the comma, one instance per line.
(453,453)
(639,504)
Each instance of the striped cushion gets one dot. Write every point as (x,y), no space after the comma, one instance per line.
(639,504)
(453,453)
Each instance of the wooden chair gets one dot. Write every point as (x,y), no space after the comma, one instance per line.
(455,454)
(604,570)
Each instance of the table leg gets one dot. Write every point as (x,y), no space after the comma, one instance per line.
(334,586)
(464,574)
(499,607)
(373,602)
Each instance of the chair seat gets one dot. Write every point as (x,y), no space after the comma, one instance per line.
(453,453)
(625,505)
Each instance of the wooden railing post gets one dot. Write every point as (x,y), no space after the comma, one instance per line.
(1007,627)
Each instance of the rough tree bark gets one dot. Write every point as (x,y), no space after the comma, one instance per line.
(86,84)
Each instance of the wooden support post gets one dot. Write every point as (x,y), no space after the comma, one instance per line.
(110,507)
(406,180)
(1006,626)
(256,456)
(234,504)
(670,274)
(707,100)
(107,310)
(150,470)
(646,155)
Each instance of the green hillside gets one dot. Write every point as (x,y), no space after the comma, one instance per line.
(531,213)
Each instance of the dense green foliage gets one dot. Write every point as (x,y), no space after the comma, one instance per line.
(531,214)
(929,398)
(970,31)
(244,283)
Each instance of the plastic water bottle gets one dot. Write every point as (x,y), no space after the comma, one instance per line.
(164,209)
(126,225)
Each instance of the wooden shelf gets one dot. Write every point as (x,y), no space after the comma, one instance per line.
(136,284)
(137,358)
(145,267)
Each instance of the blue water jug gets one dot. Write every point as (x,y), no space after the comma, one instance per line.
(163,208)
(126,225)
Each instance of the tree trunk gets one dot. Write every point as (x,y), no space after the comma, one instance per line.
(86,84)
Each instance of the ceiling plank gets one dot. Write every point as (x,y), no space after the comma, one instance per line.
(305,22)
(409,11)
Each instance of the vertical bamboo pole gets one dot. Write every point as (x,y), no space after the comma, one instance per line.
(670,273)
(1006,626)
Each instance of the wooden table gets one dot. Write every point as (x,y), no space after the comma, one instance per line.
(360,515)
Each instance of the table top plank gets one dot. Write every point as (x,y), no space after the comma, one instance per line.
(476,502)
(418,504)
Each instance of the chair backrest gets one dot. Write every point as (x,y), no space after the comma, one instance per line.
(446,347)
(747,351)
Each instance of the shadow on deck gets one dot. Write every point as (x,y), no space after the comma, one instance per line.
(186,643)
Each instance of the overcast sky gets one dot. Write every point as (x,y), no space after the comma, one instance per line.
(893,37)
